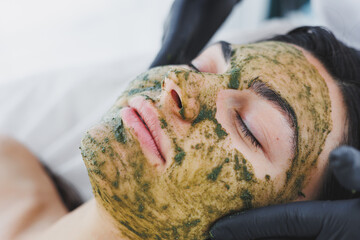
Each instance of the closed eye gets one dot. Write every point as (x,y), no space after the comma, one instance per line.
(247,133)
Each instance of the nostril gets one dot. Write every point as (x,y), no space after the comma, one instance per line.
(176,98)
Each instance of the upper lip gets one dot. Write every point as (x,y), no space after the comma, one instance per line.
(147,114)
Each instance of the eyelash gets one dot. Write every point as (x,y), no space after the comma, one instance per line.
(247,132)
(193,67)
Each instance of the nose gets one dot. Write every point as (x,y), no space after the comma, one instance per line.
(179,98)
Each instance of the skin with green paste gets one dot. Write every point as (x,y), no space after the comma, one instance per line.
(207,177)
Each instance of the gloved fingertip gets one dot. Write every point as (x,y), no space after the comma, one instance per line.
(345,164)
(342,157)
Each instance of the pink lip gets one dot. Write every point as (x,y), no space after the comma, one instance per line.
(142,118)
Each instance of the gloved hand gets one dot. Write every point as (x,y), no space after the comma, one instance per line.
(189,26)
(320,220)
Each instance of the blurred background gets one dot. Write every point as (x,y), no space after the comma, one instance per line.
(40,35)
(63,63)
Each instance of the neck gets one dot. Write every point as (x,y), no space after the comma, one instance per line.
(90,221)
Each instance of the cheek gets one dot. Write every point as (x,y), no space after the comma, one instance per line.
(215,173)
(203,149)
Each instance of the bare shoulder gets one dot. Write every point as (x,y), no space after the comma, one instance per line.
(21,173)
(28,199)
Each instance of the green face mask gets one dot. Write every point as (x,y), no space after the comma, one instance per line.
(206,177)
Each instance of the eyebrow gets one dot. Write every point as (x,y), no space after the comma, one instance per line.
(268,94)
(226,50)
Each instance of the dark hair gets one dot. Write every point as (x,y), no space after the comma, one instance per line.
(343,64)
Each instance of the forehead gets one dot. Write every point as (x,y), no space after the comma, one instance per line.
(286,70)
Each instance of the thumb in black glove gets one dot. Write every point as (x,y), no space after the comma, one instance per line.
(320,220)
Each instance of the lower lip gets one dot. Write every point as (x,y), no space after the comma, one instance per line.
(147,143)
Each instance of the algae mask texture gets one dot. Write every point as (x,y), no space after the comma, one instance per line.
(207,178)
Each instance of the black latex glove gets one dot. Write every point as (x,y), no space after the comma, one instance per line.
(320,220)
(189,26)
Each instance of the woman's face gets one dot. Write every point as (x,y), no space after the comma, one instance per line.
(181,148)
